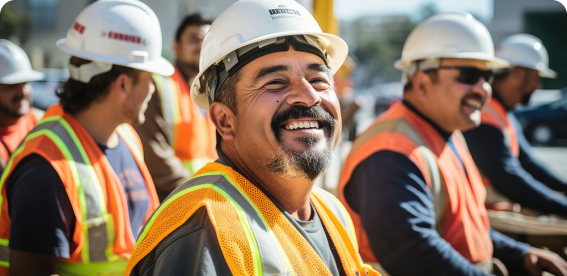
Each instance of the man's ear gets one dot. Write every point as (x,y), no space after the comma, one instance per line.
(421,84)
(223,119)
(519,73)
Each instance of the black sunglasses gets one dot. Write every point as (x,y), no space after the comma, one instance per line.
(471,75)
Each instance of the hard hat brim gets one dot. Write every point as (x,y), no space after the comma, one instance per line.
(160,66)
(20,77)
(336,47)
(548,73)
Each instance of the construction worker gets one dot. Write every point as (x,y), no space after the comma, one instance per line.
(499,147)
(76,192)
(178,137)
(16,116)
(412,189)
(266,79)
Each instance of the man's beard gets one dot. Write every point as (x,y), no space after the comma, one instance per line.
(17,113)
(311,162)
(526,98)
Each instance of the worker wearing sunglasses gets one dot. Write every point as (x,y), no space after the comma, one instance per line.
(410,184)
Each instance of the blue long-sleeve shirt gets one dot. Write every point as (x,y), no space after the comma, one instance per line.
(524,179)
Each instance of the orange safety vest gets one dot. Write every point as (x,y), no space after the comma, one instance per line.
(11,136)
(463,221)
(495,115)
(243,215)
(193,134)
(103,239)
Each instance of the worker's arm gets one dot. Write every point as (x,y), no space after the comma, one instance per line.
(42,219)
(506,174)
(509,251)
(389,193)
(534,166)
(166,169)
(191,249)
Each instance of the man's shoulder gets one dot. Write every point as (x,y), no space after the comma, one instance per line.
(192,248)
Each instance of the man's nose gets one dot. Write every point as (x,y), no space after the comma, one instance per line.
(304,94)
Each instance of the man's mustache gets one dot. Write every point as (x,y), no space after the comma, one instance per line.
(296,112)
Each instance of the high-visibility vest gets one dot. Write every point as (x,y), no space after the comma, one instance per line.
(462,220)
(193,134)
(17,133)
(242,217)
(495,115)
(103,239)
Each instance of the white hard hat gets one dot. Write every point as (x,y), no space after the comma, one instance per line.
(526,50)
(15,65)
(121,32)
(252,25)
(449,35)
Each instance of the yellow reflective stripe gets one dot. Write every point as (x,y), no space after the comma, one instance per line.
(114,268)
(4,252)
(5,264)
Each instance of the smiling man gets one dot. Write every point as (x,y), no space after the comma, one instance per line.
(266,79)
(414,193)
(16,115)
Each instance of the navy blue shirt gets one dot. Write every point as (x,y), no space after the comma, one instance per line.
(523,179)
(42,218)
(390,194)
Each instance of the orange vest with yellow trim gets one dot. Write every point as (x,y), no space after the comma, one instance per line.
(464,221)
(495,115)
(103,239)
(242,215)
(194,139)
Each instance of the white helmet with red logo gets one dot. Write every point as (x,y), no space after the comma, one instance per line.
(121,32)
(15,65)
(252,26)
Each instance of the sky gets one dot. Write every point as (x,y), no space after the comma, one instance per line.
(351,9)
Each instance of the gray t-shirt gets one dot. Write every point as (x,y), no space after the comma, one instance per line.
(193,248)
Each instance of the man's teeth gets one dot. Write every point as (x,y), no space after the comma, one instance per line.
(473,103)
(302,124)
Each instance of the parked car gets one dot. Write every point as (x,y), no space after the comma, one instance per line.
(545,124)
(44,89)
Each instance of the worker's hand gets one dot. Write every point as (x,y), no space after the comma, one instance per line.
(538,260)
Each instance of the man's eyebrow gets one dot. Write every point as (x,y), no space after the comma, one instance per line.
(270,70)
(323,68)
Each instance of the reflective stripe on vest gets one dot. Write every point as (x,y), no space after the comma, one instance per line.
(438,190)
(98,227)
(339,211)
(268,255)
(168,92)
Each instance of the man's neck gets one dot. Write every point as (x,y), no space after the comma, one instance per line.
(8,121)
(185,71)
(496,96)
(100,124)
(291,193)
(445,134)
